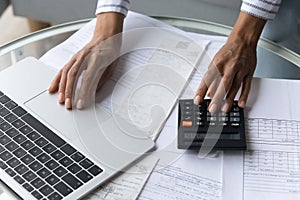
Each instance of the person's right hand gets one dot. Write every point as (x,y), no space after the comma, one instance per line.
(93,63)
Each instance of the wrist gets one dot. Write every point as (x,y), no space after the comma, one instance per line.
(107,25)
(247,29)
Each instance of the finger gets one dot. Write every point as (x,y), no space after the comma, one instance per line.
(222,89)
(63,81)
(55,83)
(88,88)
(72,76)
(232,93)
(245,91)
(211,74)
(213,87)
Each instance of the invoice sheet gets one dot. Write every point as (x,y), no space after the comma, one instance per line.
(127,185)
(272,162)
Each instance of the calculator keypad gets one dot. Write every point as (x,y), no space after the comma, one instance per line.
(194,121)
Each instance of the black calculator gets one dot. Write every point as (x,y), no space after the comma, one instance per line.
(196,123)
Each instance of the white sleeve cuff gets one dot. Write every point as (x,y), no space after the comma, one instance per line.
(120,6)
(265,9)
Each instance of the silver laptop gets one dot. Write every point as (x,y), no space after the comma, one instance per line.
(48,152)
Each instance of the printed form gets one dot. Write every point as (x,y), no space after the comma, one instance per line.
(272,162)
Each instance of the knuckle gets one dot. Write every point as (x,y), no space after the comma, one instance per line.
(72,73)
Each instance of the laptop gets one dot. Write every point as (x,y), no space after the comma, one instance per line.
(48,152)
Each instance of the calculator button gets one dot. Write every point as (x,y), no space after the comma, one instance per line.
(187,123)
(200,123)
(234,114)
(187,118)
(188,103)
(235,124)
(187,113)
(234,119)
(211,119)
(223,114)
(236,109)
(199,118)
(223,119)
(212,123)
(199,113)
(186,108)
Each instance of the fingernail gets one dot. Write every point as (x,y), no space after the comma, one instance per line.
(225,107)
(68,103)
(213,108)
(197,100)
(60,97)
(80,104)
(242,104)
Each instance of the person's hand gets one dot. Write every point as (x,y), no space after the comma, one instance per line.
(93,63)
(232,67)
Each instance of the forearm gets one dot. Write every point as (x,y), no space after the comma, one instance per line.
(247,29)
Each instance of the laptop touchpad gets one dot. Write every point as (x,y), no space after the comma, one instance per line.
(56,115)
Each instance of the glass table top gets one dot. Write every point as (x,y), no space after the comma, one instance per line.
(274,61)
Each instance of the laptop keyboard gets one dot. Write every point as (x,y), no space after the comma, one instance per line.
(38,159)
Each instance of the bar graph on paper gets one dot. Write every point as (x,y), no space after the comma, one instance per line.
(272,162)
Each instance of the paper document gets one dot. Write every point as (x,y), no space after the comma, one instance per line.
(127,185)
(272,163)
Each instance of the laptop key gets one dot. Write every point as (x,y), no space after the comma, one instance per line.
(19,111)
(54,196)
(42,129)
(63,189)
(29,176)
(1,148)
(10,105)
(35,166)
(19,152)
(66,161)
(33,136)
(20,138)
(12,132)
(4,140)
(18,123)
(1,93)
(27,145)
(4,99)
(37,195)
(41,142)
(43,158)
(27,159)
(10,172)
(10,117)
(12,146)
(84,176)
(72,181)
(2,165)
(21,169)
(13,162)
(74,168)
(57,155)
(35,151)
(5,155)
(60,171)
(4,112)
(37,183)
(49,148)
(44,172)
(26,129)
(5,126)
(19,179)
(95,170)
(51,164)
(68,149)
(52,179)
(28,187)
(46,190)
(86,163)
(77,156)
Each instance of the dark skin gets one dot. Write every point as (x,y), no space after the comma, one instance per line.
(231,68)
